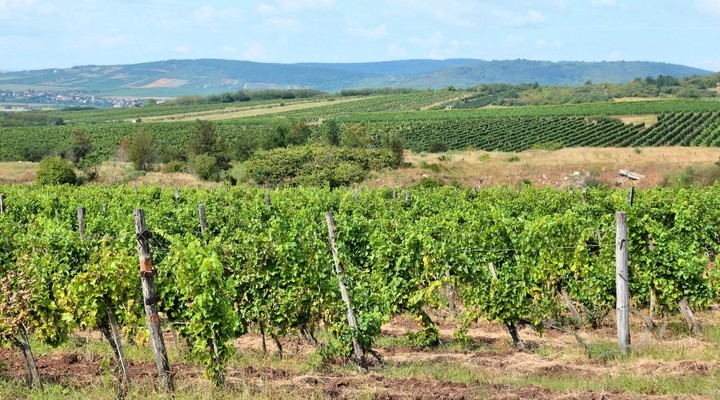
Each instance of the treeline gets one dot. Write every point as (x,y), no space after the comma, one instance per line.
(247,95)
(32,118)
(527,94)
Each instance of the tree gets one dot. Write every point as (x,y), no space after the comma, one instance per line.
(80,145)
(141,151)
(396,144)
(299,134)
(331,133)
(206,143)
(204,139)
(54,170)
(355,136)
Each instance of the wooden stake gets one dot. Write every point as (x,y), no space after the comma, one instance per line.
(203,221)
(81,222)
(340,273)
(2,204)
(621,282)
(176,194)
(450,294)
(688,315)
(111,332)
(571,307)
(147,273)
(24,345)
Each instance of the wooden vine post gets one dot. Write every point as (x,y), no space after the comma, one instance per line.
(621,282)
(24,345)
(340,273)
(2,203)
(81,222)
(203,220)
(150,299)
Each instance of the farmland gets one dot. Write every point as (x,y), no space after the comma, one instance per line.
(684,122)
(459,291)
(267,272)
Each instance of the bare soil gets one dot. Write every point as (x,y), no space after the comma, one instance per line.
(499,371)
(559,168)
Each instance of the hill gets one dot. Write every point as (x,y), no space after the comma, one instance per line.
(205,76)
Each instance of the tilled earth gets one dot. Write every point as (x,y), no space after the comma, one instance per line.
(492,357)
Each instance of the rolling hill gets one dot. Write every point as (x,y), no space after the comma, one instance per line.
(206,76)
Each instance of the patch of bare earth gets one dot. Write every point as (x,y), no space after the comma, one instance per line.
(558,168)
(498,370)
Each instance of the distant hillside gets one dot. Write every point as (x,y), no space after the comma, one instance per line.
(206,76)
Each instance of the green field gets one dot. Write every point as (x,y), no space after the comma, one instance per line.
(687,122)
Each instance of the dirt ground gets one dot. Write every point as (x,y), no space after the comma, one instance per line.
(558,168)
(490,368)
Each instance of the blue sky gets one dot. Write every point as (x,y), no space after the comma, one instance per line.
(63,33)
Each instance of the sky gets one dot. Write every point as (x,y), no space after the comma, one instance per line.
(38,34)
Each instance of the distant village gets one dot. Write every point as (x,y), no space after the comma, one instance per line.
(13,99)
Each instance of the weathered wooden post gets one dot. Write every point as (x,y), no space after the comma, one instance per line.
(203,221)
(147,274)
(2,203)
(340,273)
(621,282)
(81,222)
(24,345)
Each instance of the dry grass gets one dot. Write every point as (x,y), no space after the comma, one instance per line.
(251,111)
(648,120)
(557,168)
(17,172)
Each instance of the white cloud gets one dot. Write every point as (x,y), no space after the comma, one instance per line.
(294,6)
(255,52)
(435,55)
(604,3)
(523,18)
(21,8)
(183,48)
(544,44)
(615,56)
(284,23)
(709,7)
(210,13)
(374,32)
(395,51)
(113,41)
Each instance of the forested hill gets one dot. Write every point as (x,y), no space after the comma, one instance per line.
(205,76)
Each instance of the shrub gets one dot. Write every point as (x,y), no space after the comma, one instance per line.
(141,151)
(317,165)
(56,171)
(204,166)
(174,166)
(437,146)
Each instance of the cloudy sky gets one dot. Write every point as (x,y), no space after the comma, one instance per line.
(63,33)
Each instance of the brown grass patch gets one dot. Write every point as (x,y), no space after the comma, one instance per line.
(248,111)
(559,168)
(166,83)
(648,120)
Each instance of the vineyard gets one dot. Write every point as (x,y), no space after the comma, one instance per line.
(262,262)
(680,122)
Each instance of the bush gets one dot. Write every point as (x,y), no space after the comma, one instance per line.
(437,146)
(141,151)
(174,166)
(56,171)
(204,166)
(317,165)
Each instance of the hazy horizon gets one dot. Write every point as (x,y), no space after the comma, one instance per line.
(38,34)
